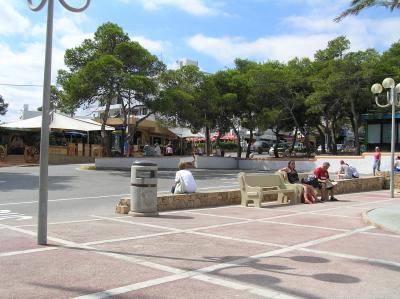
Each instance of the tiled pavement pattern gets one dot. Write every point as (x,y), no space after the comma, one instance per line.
(303,251)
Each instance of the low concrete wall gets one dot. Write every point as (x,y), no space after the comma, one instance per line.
(232,197)
(205,162)
(126,163)
(275,164)
(63,159)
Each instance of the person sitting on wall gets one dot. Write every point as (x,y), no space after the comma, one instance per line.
(322,175)
(344,171)
(184,180)
(347,172)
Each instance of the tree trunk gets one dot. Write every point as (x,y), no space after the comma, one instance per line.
(249,144)
(239,149)
(276,154)
(208,143)
(294,140)
(322,139)
(133,131)
(105,139)
(355,125)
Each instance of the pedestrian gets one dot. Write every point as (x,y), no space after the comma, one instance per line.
(148,152)
(169,150)
(327,185)
(157,150)
(184,180)
(377,160)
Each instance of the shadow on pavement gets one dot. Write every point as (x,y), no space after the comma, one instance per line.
(26,181)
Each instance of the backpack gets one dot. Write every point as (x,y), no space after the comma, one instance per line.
(312,181)
(354,172)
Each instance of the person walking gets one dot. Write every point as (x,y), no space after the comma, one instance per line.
(377,160)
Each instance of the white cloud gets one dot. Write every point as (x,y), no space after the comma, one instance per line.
(11,21)
(283,47)
(308,34)
(154,46)
(193,7)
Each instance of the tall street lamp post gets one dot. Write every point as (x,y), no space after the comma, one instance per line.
(44,135)
(391,98)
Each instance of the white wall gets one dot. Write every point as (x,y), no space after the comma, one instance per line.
(362,163)
(126,163)
(204,162)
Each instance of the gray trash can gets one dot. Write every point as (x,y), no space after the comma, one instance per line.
(143,189)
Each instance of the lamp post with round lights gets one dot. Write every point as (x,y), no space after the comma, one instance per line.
(44,135)
(391,99)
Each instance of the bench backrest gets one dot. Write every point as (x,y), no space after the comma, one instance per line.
(260,180)
(285,180)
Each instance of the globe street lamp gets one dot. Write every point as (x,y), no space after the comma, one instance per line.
(391,98)
(44,135)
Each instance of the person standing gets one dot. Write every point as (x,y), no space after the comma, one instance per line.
(377,160)
(157,150)
(169,150)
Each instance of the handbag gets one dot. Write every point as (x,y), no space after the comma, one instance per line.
(179,187)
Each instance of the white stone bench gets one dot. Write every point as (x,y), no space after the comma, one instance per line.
(253,188)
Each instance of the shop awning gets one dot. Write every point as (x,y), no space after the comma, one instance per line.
(57,121)
(185,133)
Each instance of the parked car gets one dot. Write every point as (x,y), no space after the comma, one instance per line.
(282,148)
(260,146)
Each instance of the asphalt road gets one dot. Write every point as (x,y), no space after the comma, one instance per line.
(75,194)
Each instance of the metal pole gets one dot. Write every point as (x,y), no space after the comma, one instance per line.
(44,138)
(392,145)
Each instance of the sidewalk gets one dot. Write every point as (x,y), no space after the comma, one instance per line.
(279,251)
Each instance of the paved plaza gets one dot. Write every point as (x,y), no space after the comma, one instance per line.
(324,250)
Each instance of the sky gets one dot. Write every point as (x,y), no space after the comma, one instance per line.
(213,33)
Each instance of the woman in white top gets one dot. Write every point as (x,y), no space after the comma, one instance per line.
(184,180)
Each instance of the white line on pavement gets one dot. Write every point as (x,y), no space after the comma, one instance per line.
(12,253)
(266,292)
(62,199)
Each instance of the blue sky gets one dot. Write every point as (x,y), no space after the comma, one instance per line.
(211,32)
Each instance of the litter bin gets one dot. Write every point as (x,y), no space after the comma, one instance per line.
(143,189)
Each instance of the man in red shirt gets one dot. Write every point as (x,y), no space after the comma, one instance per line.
(321,173)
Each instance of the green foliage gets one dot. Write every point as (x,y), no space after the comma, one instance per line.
(3,106)
(357,6)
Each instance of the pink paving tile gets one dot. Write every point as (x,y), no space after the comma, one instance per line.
(67,273)
(15,241)
(371,246)
(83,232)
(188,289)
(185,251)
(313,276)
(270,232)
(181,220)
(323,221)
(243,212)
(343,211)
(374,205)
